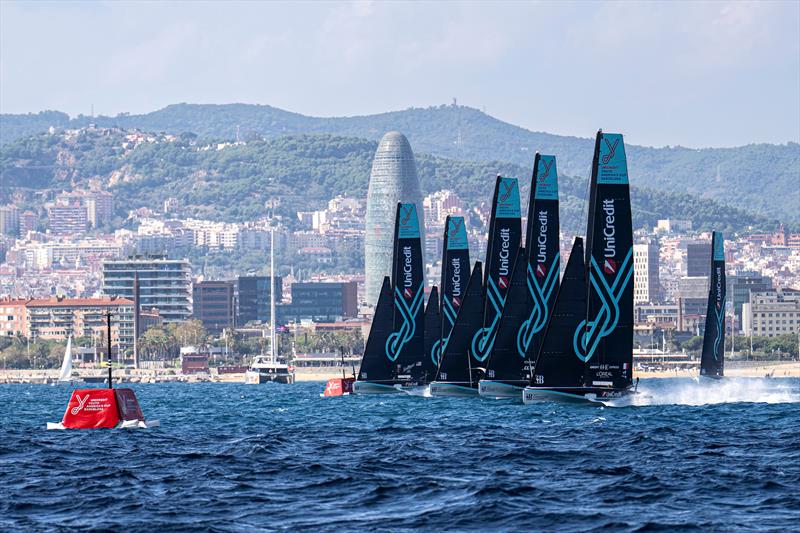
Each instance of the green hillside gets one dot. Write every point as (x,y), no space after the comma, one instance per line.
(302,171)
(761,178)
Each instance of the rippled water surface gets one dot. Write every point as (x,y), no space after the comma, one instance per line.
(240,458)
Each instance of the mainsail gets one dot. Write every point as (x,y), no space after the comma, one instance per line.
(604,340)
(556,364)
(534,282)
(433,336)
(375,366)
(455,365)
(504,240)
(712,362)
(405,346)
(455,273)
(66,364)
(505,363)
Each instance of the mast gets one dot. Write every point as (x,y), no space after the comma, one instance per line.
(272,336)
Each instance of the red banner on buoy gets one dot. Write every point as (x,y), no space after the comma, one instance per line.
(91,409)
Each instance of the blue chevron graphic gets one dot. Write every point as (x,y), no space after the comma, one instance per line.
(409,312)
(439,346)
(540,311)
(588,334)
(483,340)
(720,325)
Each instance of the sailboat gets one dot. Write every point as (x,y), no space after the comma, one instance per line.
(65,376)
(601,343)
(712,361)
(403,365)
(455,273)
(534,284)
(501,251)
(266,368)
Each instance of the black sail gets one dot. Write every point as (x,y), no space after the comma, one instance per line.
(605,338)
(405,346)
(433,336)
(455,274)
(544,256)
(504,240)
(375,366)
(712,362)
(557,363)
(505,363)
(455,363)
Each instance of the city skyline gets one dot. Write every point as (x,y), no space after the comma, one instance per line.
(727,73)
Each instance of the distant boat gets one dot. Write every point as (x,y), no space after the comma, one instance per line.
(534,284)
(712,361)
(266,368)
(65,376)
(593,361)
(501,250)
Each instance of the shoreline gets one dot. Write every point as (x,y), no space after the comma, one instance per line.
(777,369)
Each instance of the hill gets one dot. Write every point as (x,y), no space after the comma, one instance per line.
(235,183)
(761,178)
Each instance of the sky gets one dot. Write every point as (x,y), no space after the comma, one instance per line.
(678,73)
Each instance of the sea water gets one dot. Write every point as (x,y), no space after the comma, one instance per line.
(682,455)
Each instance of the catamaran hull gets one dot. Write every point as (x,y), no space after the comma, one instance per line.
(579,395)
(442,388)
(252,377)
(371,387)
(499,390)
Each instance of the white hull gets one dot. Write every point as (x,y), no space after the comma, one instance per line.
(498,390)
(127,424)
(443,388)
(369,387)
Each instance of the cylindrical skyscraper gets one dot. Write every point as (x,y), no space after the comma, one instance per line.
(393,179)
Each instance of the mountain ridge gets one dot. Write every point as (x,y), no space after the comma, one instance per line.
(761,178)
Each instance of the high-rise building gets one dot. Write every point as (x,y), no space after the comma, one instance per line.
(742,284)
(393,179)
(164,284)
(772,312)
(324,301)
(252,298)
(698,259)
(212,303)
(28,221)
(99,207)
(9,220)
(67,215)
(646,284)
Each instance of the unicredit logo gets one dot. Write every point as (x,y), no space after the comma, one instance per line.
(609,232)
(610,266)
(407,269)
(505,238)
(718,288)
(541,240)
(455,278)
(541,270)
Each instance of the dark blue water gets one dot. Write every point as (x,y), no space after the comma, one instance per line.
(242,458)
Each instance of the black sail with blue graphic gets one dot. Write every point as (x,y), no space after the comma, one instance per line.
(556,364)
(455,274)
(433,337)
(505,364)
(405,346)
(455,365)
(542,240)
(375,366)
(712,362)
(604,340)
(502,247)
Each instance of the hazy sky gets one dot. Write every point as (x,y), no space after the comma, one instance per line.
(716,74)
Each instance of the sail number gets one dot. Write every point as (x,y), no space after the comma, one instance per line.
(539,379)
